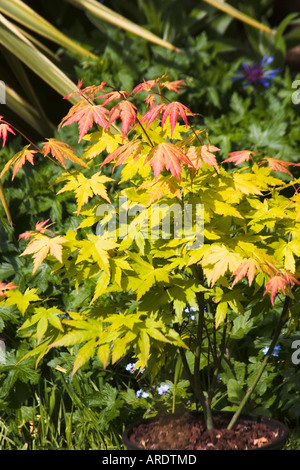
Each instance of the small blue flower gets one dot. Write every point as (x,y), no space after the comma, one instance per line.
(141,393)
(275,350)
(257,73)
(131,367)
(163,389)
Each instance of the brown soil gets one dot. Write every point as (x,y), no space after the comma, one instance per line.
(188,433)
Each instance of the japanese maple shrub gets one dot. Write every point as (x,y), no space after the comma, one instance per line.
(180,232)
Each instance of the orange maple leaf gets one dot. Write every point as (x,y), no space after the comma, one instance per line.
(247,268)
(122,153)
(61,151)
(85,114)
(173,86)
(239,157)
(18,160)
(197,155)
(278,165)
(41,246)
(88,91)
(167,155)
(5,287)
(4,129)
(124,110)
(39,227)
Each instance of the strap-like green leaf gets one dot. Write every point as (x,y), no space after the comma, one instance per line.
(13,40)
(23,14)
(230,10)
(101,11)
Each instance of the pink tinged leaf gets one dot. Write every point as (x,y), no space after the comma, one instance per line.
(122,153)
(274,284)
(197,155)
(150,101)
(173,86)
(27,156)
(88,91)
(278,165)
(39,227)
(113,95)
(167,155)
(239,156)
(247,268)
(152,114)
(5,287)
(209,157)
(172,110)
(85,115)
(126,111)
(145,86)
(280,281)
(75,92)
(26,235)
(4,129)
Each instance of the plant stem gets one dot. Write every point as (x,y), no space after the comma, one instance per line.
(205,401)
(283,319)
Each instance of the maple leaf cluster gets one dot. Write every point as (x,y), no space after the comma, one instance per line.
(86,113)
(158,144)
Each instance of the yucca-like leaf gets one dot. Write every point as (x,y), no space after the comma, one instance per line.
(230,10)
(18,11)
(102,12)
(13,40)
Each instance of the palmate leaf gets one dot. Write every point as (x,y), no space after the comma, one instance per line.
(61,151)
(22,301)
(4,129)
(126,111)
(218,260)
(239,157)
(85,188)
(85,114)
(18,160)
(103,140)
(247,268)
(280,281)
(203,154)
(41,246)
(131,149)
(278,165)
(172,110)
(169,156)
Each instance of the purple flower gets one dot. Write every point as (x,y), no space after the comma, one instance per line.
(257,73)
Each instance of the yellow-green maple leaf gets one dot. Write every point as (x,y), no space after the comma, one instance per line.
(22,301)
(85,188)
(104,140)
(218,260)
